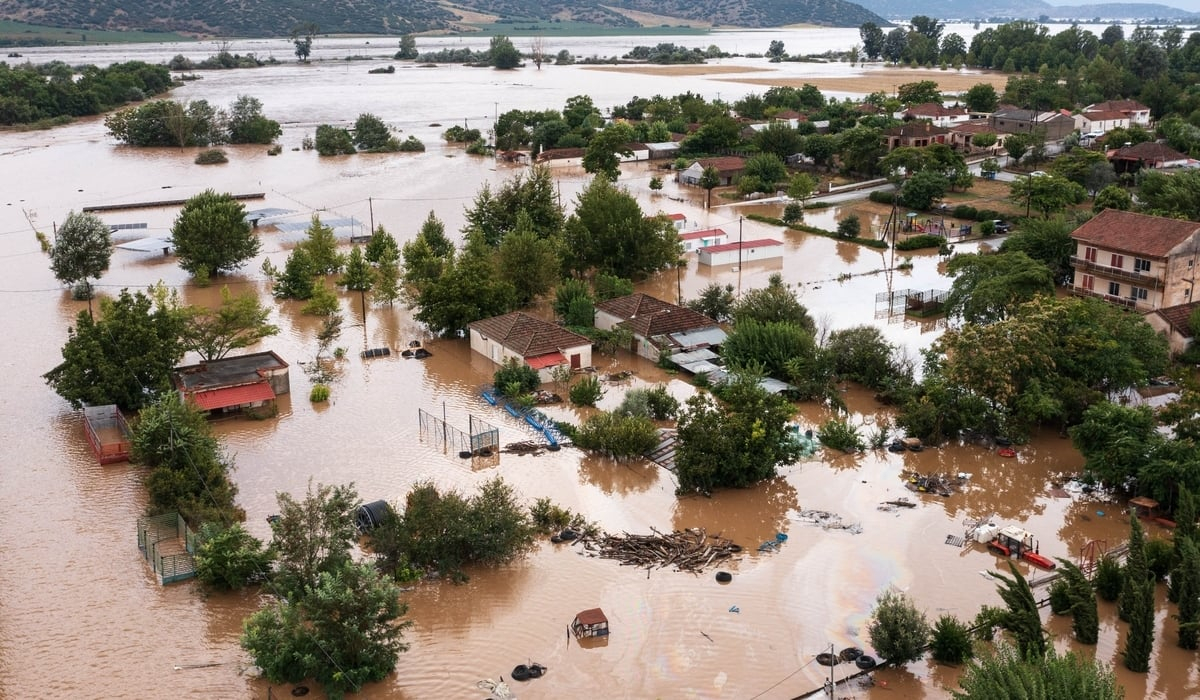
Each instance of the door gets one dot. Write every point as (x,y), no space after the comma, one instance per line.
(575,361)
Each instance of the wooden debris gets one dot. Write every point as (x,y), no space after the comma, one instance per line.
(690,550)
(525,447)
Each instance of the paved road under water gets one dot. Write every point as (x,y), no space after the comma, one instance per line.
(82,616)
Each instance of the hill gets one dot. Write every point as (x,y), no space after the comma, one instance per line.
(1021,9)
(234,18)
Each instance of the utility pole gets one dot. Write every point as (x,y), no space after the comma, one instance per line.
(739,257)
(371,208)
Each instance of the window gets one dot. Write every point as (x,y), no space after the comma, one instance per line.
(1138,293)
(1114,289)
(1140,265)
(1089,282)
(1089,254)
(1118,260)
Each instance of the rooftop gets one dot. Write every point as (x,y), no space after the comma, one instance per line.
(528,336)
(756,243)
(703,233)
(226,372)
(724,163)
(1148,151)
(1179,317)
(1119,106)
(648,316)
(1139,234)
(914,129)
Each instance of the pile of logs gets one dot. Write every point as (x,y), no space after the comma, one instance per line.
(525,447)
(690,550)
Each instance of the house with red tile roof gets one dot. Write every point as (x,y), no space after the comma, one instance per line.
(1137,112)
(918,134)
(658,325)
(1175,323)
(1100,122)
(1150,154)
(962,136)
(538,343)
(1134,260)
(233,384)
(729,169)
(938,114)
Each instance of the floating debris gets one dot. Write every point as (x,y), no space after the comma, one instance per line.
(940,484)
(525,447)
(890,506)
(690,550)
(828,521)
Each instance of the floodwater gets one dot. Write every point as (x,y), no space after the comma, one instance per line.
(82,616)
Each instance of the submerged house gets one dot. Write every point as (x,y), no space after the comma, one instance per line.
(540,344)
(658,325)
(234,384)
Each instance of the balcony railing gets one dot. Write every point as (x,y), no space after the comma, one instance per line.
(1142,279)
(1119,301)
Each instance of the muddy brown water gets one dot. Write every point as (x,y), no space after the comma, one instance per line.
(82,616)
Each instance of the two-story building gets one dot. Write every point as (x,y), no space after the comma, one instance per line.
(1054,125)
(1101,122)
(938,114)
(1134,260)
(1137,112)
(917,134)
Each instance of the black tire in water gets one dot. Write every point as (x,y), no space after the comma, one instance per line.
(536,671)
(724,577)
(827,659)
(520,673)
(465,454)
(555,539)
(850,653)
(568,535)
(865,662)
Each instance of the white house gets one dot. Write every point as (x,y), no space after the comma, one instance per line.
(1137,112)
(694,240)
(745,251)
(940,115)
(637,152)
(678,220)
(1100,122)
(658,325)
(540,344)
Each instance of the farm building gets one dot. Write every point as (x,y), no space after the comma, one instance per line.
(540,344)
(658,325)
(234,384)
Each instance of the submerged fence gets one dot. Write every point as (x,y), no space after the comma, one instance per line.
(167,543)
(483,438)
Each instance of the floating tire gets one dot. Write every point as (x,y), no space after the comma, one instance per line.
(300,691)
(421,353)
(536,671)
(724,577)
(568,535)
(827,659)
(735,548)
(407,354)
(554,447)
(465,454)
(850,654)
(555,539)
(866,663)
(520,673)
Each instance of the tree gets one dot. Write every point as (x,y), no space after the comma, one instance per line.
(211,235)
(801,186)
(1017,145)
(494,215)
(530,264)
(248,125)
(734,445)
(334,141)
(408,48)
(617,435)
(779,138)
(1021,619)
(515,378)
(321,246)
(1076,165)
(1176,195)
(299,277)
(302,38)
(1134,572)
(897,630)
(82,248)
(387,281)
(1185,580)
(860,149)
(1047,241)
(359,277)
(710,178)
(872,39)
(922,189)
(1047,194)
(954,48)
(1139,644)
(313,535)
(468,288)
(1082,596)
(373,136)
(920,92)
(239,322)
(766,168)
(382,245)
(610,234)
(502,54)
(988,288)
(776,302)
(894,45)
(715,301)
(1112,197)
(863,355)
(124,357)
(982,98)
(985,141)
(600,156)
(770,346)
(342,631)
(951,641)
(230,558)
(1008,674)
(188,473)
(776,51)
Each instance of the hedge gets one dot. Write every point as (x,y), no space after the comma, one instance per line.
(920,242)
(869,242)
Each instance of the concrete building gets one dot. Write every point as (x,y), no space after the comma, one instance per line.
(1174,322)
(939,115)
(694,240)
(540,344)
(1137,112)
(1134,260)
(729,169)
(915,135)
(658,325)
(1100,122)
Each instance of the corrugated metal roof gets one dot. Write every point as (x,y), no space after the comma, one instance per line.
(683,358)
(712,335)
(232,396)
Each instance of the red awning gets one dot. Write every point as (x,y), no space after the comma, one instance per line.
(550,359)
(215,399)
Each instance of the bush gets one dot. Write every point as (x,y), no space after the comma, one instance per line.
(849,227)
(925,240)
(617,435)
(964,211)
(793,213)
(319,393)
(987,215)
(412,145)
(229,558)
(515,378)
(655,403)
(1159,554)
(1108,580)
(211,156)
(951,641)
(838,434)
(587,391)
(882,196)
(898,631)
(987,228)
(333,141)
